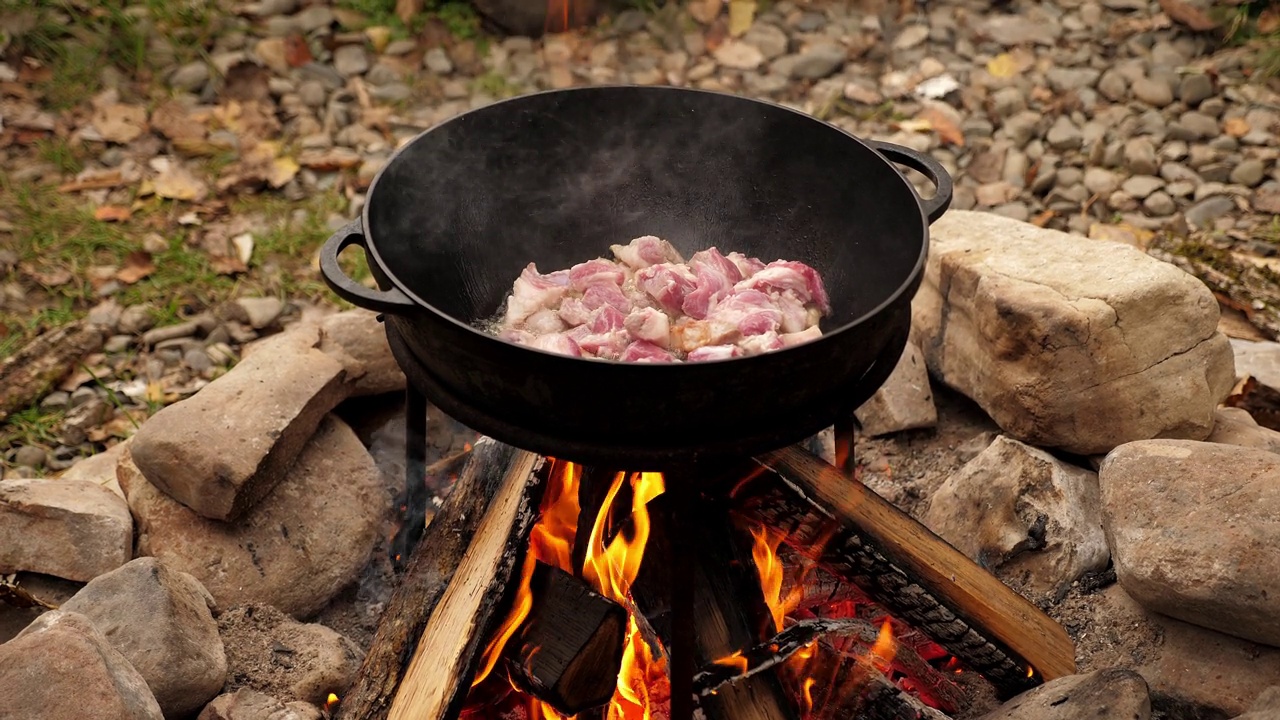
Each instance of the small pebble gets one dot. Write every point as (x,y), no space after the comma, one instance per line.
(118,343)
(82,395)
(56,400)
(1248,173)
(1159,204)
(1153,92)
(197,360)
(30,456)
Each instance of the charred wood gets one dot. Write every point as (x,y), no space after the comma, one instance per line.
(841,686)
(731,619)
(427,645)
(29,373)
(568,652)
(858,536)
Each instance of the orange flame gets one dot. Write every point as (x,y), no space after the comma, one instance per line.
(331,702)
(765,553)
(884,649)
(737,660)
(611,571)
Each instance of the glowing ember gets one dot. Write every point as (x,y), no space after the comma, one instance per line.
(883,651)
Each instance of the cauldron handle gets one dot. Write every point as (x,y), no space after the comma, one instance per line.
(386,301)
(932,169)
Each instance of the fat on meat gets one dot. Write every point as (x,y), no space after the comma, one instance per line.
(714,352)
(574,312)
(750,312)
(534,291)
(592,272)
(746,266)
(605,293)
(783,275)
(645,251)
(559,343)
(545,321)
(650,325)
(642,351)
(667,284)
(715,277)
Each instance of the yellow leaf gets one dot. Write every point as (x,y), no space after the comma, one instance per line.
(1002,66)
(282,171)
(916,125)
(741,14)
(155,393)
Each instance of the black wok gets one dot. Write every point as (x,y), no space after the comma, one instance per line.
(555,178)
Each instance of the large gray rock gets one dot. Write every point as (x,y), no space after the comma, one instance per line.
(1070,343)
(1261,359)
(1032,519)
(223,449)
(62,668)
(904,402)
(296,549)
(1193,532)
(1111,694)
(72,529)
(160,620)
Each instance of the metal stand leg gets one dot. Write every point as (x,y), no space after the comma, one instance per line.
(413,505)
(682,650)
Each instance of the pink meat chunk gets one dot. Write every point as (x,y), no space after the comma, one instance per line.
(642,351)
(667,284)
(804,336)
(606,294)
(606,318)
(534,291)
(559,343)
(592,272)
(607,345)
(716,276)
(797,277)
(545,321)
(795,316)
(746,266)
(645,251)
(574,312)
(750,312)
(714,352)
(650,325)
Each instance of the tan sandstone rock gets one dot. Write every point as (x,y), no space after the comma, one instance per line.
(1067,342)
(223,449)
(1193,532)
(358,335)
(1033,520)
(1234,426)
(1110,694)
(295,549)
(62,668)
(72,529)
(904,402)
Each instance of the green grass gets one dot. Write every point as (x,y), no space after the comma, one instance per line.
(495,85)
(1240,25)
(458,16)
(32,426)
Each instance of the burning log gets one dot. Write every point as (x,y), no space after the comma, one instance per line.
(843,686)
(569,650)
(857,535)
(427,646)
(731,612)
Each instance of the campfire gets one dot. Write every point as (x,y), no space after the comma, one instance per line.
(548,590)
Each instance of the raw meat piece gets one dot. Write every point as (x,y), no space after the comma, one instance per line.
(716,276)
(667,284)
(747,266)
(714,352)
(650,306)
(794,276)
(584,275)
(650,325)
(545,321)
(559,343)
(750,312)
(574,312)
(759,344)
(641,351)
(804,336)
(534,291)
(645,251)
(606,294)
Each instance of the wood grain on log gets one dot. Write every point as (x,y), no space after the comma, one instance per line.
(495,488)
(962,589)
(568,652)
(26,375)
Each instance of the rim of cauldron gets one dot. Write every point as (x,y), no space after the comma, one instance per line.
(908,283)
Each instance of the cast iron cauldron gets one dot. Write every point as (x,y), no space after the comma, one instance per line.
(555,178)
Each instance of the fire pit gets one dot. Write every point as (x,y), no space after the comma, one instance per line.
(551,595)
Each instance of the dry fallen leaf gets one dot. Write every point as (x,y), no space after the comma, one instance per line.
(296,51)
(1236,127)
(379,37)
(1188,15)
(1269,20)
(227,265)
(94,180)
(243,243)
(407,10)
(741,14)
(175,122)
(1042,219)
(946,128)
(120,123)
(48,277)
(705,11)
(177,183)
(1002,66)
(915,125)
(112,213)
(137,265)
